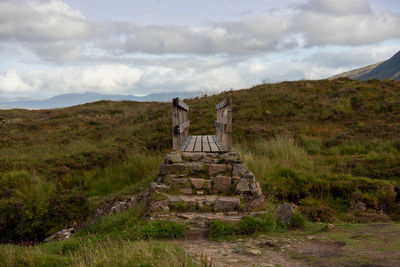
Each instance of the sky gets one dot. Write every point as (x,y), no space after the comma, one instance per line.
(50,47)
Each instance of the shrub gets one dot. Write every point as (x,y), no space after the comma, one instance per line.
(318,214)
(219,229)
(161,230)
(297,221)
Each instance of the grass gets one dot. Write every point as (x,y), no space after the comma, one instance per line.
(89,252)
(322,145)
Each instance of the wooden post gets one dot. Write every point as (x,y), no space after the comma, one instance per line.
(180,123)
(224,123)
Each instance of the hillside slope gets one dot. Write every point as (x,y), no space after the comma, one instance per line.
(389,69)
(313,143)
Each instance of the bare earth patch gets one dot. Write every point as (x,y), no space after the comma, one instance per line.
(347,245)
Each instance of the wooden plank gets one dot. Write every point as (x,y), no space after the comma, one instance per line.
(185,144)
(176,102)
(219,144)
(213,146)
(182,127)
(204,144)
(223,103)
(197,146)
(190,146)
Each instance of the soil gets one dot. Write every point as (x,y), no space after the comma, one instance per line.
(364,245)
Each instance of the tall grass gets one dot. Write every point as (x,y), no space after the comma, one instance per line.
(267,159)
(93,253)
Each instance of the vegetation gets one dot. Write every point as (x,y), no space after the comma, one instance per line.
(258,224)
(330,147)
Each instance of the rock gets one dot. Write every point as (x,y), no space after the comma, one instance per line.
(61,235)
(173,158)
(226,204)
(166,169)
(169,177)
(186,191)
(159,205)
(249,176)
(256,189)
(195,166)
(257,204)
(231,157)
(238,169)
(199,192)
(242,186)
(193,156)
(118,207)
(253,251)
(216,168)
(158,187)
(284,212)
(197,182)
(222,183)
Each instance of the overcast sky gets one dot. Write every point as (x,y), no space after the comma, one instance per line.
(48,47)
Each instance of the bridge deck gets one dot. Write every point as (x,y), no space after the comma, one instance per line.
(202,143)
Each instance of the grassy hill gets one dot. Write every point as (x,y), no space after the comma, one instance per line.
(326,146)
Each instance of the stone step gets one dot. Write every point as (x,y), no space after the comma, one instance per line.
(204,202)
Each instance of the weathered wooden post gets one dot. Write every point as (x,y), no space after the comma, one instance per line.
(223,124)
(180,123)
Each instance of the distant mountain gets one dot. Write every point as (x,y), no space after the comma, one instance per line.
(389,69)
(67,100)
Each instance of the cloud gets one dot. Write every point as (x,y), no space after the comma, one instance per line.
(11,82)
(338,7)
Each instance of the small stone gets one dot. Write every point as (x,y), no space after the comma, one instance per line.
(330,226)
(242,186)
(216,168)
(199,192)
(284,212)
(173,158)
(253,251)
(197,182)
(238,169)
(222,183)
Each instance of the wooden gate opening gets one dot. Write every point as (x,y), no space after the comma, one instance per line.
(220,142)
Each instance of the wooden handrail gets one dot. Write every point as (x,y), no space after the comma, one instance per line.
(180,123)
(223,124)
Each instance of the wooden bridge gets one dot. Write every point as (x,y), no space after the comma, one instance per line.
(219,143)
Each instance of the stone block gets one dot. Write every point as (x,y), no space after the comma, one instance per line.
(242,186)
(193,156)
(222,183)
(166,169)
(258,204)
(231,157)
(216,168)
(173,158)
(197,182)
(226,204)
(238,169)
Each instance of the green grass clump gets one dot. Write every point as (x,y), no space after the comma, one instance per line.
(249,225)
(297,221)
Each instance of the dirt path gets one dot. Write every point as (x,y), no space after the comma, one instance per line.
(346,245)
